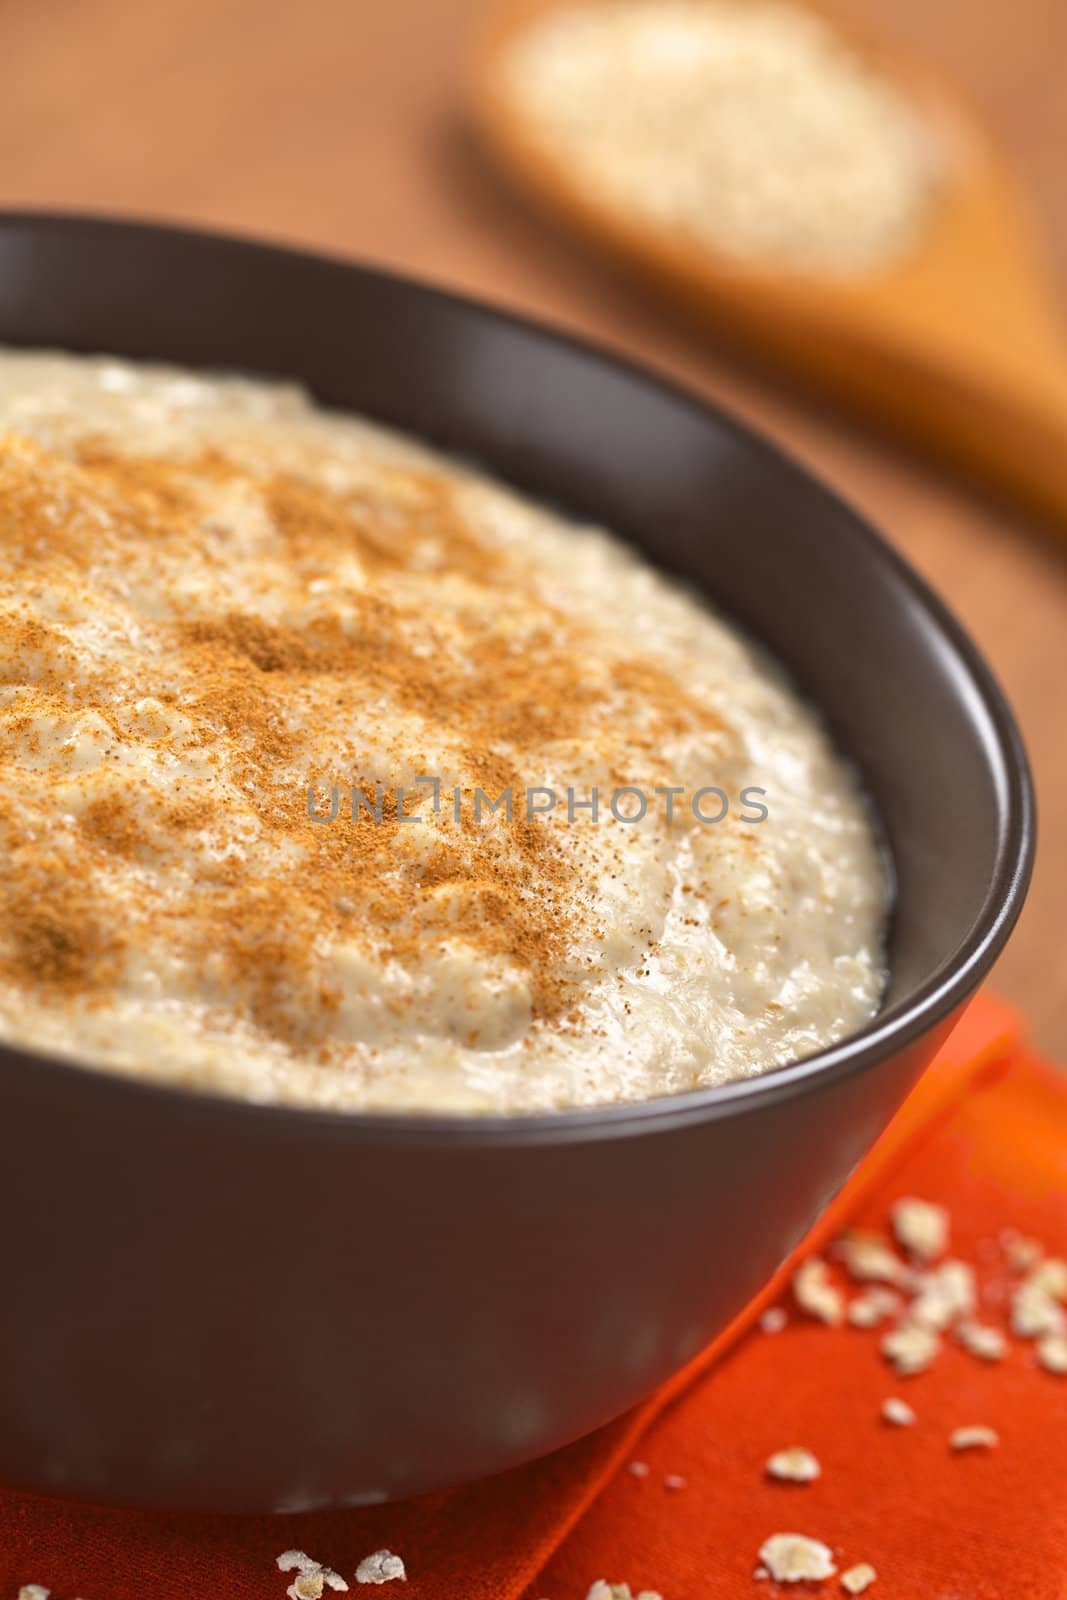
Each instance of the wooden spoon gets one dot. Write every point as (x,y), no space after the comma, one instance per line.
(960,347)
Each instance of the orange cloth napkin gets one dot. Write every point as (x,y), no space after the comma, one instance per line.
(985,1134)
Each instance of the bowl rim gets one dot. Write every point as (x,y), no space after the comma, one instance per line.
(935,1001)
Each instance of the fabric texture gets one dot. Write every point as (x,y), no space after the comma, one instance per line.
(984,1134)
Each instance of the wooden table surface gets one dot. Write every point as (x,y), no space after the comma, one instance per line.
(338,123)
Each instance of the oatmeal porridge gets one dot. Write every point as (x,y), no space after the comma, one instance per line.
(337,774)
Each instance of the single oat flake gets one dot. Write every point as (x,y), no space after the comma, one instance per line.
(975,1437)
(1035,1313)
(858,1578)
(868,1258)
(1052,1353)
(910,1348)
(815,1292)
(639,1469)
(299,1561)
(674,1480)
(307,1586)
(873,1306)
(921,1227)
(1021,1254)
(793,1557)
(602,1590)
(381,1567)
(312,1578)
(1051,1276)
(33,1591)
(988,1344)
(795,1465)
(773,1320)
(898,1412)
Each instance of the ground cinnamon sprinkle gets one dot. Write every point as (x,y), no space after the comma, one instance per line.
(234,703)
(236,633)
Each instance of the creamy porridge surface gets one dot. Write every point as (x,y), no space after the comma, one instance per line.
(216,598)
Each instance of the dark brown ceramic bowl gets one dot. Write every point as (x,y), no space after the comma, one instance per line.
(218,1305)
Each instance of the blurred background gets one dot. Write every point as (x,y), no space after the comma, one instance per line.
(340,124)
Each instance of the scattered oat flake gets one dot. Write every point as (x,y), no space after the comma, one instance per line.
(871,1307)
(381,1567)
(760,1573)
(793,1557)
(921,1227)
(312,1577)
(773,1320)
(1034,1312)
(640,1469)
(815,1292)
(674,1480)
(869,1258)
(910,1348)
(601,1590)
(898,1412)
(34,1591)
(795,1465)
(858,1578)
(1021,1254)
(1052,1353)
(297,1561)
(307,1586)
(988,1344)
(975,1437)
(1050,1276)
(945,1294)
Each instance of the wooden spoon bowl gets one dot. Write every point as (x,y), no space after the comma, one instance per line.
(960,347)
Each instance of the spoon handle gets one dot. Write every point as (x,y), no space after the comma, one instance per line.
(1013,437)
(1001,420)
(984,394)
